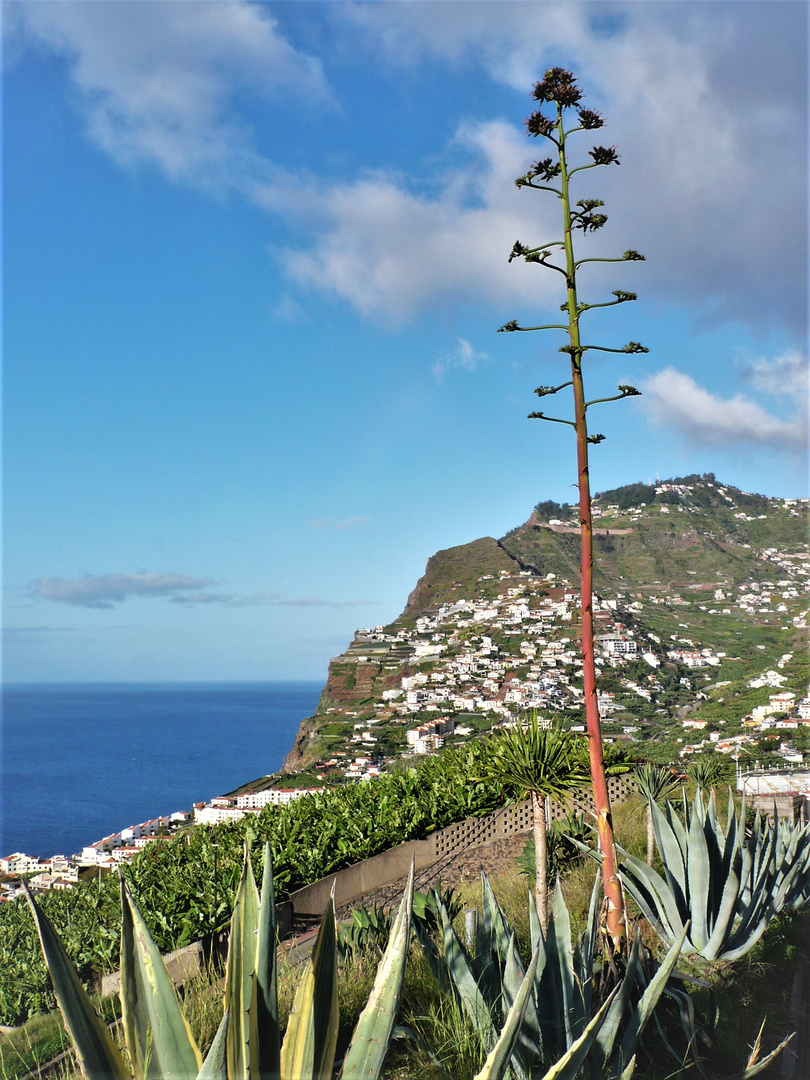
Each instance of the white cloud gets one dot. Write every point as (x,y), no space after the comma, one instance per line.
(157,82)
(675,83)
(786,374)
(682,87)
(463,356)
(391,253)
(106,590)
(673,399)
(338,526)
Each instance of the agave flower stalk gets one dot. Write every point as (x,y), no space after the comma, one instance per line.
(559,90)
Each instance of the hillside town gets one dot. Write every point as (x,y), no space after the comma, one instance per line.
(681,668)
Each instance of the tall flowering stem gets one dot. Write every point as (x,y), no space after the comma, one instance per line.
(559,94)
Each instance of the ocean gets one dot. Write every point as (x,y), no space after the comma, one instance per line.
(81,761)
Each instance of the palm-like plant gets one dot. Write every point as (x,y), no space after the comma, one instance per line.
(654,782)
(539,763)
(709,771)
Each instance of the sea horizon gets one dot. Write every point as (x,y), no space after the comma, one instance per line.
(85,759)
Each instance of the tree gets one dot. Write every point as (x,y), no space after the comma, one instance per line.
(653,782)
(710,770)
(538,763)
(558,93)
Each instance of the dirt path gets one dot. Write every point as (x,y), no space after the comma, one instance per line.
(494,859)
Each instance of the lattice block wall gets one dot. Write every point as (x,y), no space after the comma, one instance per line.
(517,818)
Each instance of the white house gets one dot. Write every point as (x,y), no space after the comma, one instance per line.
(19,863)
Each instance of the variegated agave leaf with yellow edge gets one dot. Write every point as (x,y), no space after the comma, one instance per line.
(240,980)
(158,1037)
(267,1026)
(215,1066)
(97,1054)
(365,1056)
(308,1050)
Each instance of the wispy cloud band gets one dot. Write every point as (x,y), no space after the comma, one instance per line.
(105,591)
(339,526)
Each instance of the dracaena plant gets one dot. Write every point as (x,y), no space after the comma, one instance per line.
(559,117)
(654,782)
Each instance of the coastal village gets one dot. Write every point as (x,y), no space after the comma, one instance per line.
(711,666)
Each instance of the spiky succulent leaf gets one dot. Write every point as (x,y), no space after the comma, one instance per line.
(558,943)
(495,922)
(365,1056)
(528,1039)
(650,998)
(98,1056)
(606,1037)
(240,982)
(308,1050)
(588,947)
(464,981)
(215,1066)
(698,879)
(653,895)
(497,1063)
(267,1027)
(568,1066)
(157,1035)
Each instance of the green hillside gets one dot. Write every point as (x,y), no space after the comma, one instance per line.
(665,535)
(710,583)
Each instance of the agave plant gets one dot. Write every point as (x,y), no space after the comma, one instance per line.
(247,1045)
(370,928)
(565,1030)
(726,885)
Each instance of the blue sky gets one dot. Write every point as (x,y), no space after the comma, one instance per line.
(255,259)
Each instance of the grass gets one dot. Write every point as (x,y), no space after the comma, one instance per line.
(29,1047)
(37,1042)
(758,987)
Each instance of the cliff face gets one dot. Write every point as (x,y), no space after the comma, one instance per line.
(358,676)
(295,758)
(455,571)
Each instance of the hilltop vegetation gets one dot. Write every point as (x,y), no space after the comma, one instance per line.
(659,535)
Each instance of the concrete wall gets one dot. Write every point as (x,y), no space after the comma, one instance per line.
(183,964)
